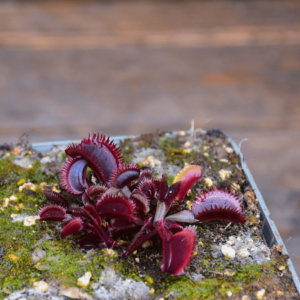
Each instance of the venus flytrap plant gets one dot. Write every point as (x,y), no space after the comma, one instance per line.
(120,203)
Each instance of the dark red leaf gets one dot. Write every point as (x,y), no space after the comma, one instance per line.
(218,205)
(55,198)
(146,174)
(115,203)
(73,176)
(72,227)
(147,186)
(178,251)
(140,200)
(52,213)
(124,175)
(102,155)
(188,177)
(146,232)
(96,191)
(163,189)
(172,193)
(91,241)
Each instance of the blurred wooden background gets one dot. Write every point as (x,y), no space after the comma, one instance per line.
(128,67)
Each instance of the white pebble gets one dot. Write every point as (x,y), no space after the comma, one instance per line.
(229,293)
(84,280)
(224,160)
(40,286)
(187,144)
(13,198)
(46,159)
(260,294)
(224,174)
(228,251)
(229,150)
(243,253)
(31,220)
(208,182)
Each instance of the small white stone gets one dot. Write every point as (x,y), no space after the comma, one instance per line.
(243,253)
(229,293)
(137,260)
(281,268)
(260,294)
(205,154)
(187,144)
(29,221)
(231,243)
(5,202)
(229,150)
(84,280)
(40,286)
(245,297)
(13,198)
(46,159)
(235,186)
(224,160)
(147,244)
(238,239)
(208,182)
(181,133)
(224,174)
(228,251)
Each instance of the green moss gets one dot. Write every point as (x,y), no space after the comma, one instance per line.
(18,240)
(213,288)
(167,142)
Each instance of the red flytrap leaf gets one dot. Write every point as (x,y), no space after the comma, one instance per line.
(124,175)
(52,213)
(86,200)
(73,176)
(141,236)
(173,226)
(55,198)
(188,177)
(146,174)
(96,191)
(147,186)
(218,205)
(140,200)
(117,207)
(72,227)
(115,203)
(178,250)
(102,155)
(168,194)
(184,216)
(91,241)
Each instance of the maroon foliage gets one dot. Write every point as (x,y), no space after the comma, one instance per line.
(218,205)
(72,227)
(126,201)
(52,213)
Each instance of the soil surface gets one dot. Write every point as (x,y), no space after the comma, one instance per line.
(35,252)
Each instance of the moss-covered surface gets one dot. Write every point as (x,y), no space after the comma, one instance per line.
(65,262)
